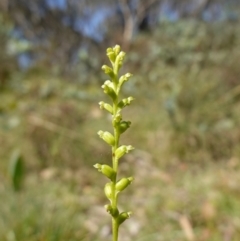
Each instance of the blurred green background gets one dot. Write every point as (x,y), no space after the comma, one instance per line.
(185,120)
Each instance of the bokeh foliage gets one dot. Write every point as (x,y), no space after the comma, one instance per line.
(186,131)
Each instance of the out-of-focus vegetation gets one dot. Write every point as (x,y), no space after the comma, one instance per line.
(185,129)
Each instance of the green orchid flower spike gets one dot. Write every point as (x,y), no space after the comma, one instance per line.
(112,88)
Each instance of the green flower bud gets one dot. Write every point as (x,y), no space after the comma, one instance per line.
(105,170)
(111,210)
(123,183)
(108,88)
(107,137)
(109,50)
(108,208)
(106,106)
(117,49)
(107,70)
(117,119)
(111,55)
(122,150)
(119,62)
(121,57)
(124,125)
(123,79)
(123,216)
(108,191)
(125,102)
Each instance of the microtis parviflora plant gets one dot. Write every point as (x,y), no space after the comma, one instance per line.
(115,185)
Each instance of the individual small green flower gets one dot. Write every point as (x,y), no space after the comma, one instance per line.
(108,208)
(106,106)
(117,49)
(111,210)
(106,170)
(109,191)
(117,119)
(120,58)
(119,61)
(125,102)
(108,71)
(111,55)
(123,183)
(123,216)
(124,78)
(122,150)
(108,88)
(107,137)
(123,126)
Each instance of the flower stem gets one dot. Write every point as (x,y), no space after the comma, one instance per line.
(115,224)
(115,227)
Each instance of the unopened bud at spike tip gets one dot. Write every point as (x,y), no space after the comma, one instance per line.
(117,49)
(111,57)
